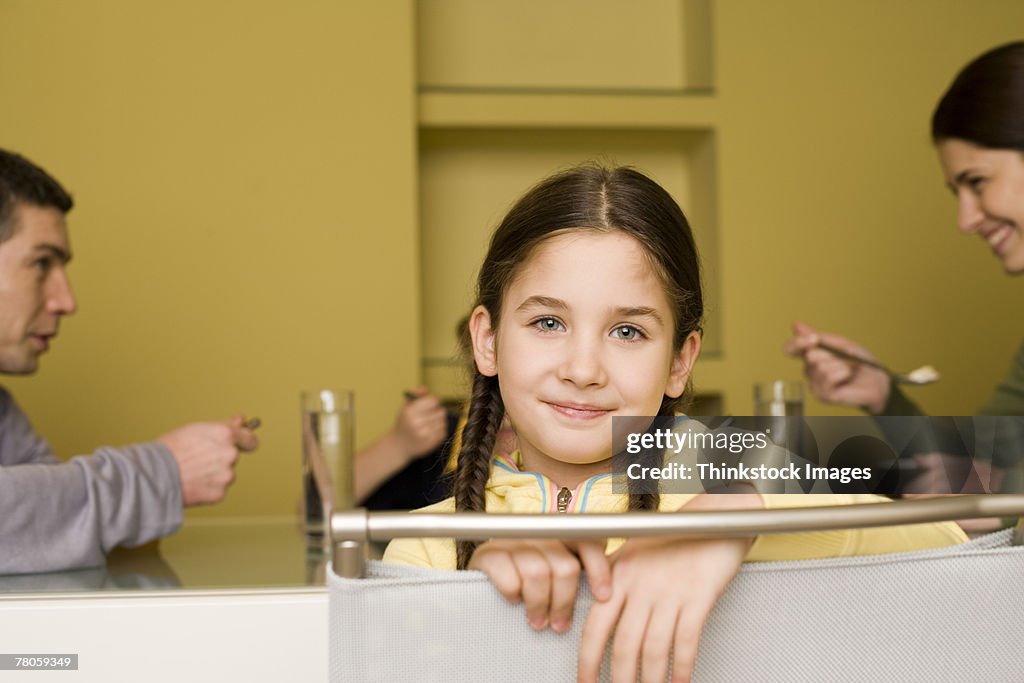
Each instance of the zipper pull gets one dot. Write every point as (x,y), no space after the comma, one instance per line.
(564,498)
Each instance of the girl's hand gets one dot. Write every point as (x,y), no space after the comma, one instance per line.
(545,575)
(662,593)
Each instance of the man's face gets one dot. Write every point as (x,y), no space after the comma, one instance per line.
(34,287)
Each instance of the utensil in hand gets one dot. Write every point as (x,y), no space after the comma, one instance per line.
(925,374)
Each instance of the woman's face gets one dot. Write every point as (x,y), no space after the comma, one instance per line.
(989,186)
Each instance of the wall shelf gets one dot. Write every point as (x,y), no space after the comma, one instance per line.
(555,110)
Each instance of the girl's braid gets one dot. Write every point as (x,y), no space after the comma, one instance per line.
(474,464)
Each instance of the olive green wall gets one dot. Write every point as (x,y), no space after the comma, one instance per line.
(246,226)
(832,205)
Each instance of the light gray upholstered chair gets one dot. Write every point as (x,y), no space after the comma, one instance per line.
(952,614)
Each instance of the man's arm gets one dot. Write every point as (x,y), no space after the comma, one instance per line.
(19,443)
(69,515)
(56,516)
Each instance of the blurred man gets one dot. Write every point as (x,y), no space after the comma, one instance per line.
(59,515)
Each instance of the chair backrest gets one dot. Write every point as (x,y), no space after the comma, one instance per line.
(951,614)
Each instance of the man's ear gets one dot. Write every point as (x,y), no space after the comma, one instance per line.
(482,333)
(682,365)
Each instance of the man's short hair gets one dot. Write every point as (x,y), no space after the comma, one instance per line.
(23,181)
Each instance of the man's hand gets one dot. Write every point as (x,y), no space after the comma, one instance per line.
(206,453)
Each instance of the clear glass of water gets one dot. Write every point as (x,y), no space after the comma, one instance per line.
(782,402)
(328,421)
(779,398)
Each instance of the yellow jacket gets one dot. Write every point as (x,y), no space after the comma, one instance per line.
(515,491)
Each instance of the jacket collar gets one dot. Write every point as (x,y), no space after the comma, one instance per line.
(525,491)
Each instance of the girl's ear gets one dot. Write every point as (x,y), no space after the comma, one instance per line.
(682,364)
(482,333)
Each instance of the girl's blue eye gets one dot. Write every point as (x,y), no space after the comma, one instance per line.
(627,333)
(975,183)
(548,324)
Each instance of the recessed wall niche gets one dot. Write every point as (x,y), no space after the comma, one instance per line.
(470,177)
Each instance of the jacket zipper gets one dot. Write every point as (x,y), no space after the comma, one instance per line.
(564,498)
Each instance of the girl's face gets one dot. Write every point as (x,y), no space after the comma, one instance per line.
(586,334)
(989,185)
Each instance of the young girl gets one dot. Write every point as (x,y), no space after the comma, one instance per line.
(590,307)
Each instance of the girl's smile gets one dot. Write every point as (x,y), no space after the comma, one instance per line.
(578,411)
(585,334)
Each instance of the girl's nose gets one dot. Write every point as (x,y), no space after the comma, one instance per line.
(583,364)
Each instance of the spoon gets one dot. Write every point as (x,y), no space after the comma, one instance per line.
(925,374)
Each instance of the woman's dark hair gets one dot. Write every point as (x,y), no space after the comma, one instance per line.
(985,103)
(587,197)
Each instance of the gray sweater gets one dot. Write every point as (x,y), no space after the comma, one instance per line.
(65,515)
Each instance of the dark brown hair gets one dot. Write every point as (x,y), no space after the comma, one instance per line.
(23,181)
(985,103)
(587,198)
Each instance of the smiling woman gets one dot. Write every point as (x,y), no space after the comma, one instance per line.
(978,128)
(978,131)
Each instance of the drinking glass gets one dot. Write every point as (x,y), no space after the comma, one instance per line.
(328,419)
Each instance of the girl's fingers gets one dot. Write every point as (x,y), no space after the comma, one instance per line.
(597,630)
(544,575)
(687,637)
(597,567)
(535,573)
(565,583)
(501,570)
(629,638)
(657,643)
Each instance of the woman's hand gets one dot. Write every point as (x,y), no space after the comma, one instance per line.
(421,425)
(835,380)
(544,575)
(662,593)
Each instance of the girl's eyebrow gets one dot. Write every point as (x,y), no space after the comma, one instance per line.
(639,312)
(543,302)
